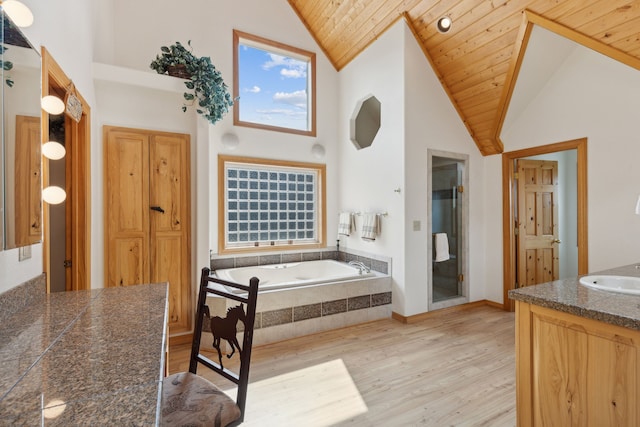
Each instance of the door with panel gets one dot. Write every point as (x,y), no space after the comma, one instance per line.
(537,222)
(147,200)
(27,229)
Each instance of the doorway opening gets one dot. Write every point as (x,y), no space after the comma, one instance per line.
(67,227)
(544,214)
(448,222)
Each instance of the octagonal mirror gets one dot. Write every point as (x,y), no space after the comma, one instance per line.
(365,122)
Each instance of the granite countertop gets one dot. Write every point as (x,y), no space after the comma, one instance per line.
(570,296)
(85,357)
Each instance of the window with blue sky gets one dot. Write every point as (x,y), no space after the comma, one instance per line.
(274,85)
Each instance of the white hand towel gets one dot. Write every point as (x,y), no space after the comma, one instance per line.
(346,223)
(442,247)
(370,226)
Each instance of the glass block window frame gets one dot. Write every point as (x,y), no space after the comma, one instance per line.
(268,204)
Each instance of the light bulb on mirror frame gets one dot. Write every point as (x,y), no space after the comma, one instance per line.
(19,13)
(52,104)
(53,195)
(53,150)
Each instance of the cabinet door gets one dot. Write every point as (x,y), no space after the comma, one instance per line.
(127,208)
(28,210)
(169,222)
(574,371)
(147,201)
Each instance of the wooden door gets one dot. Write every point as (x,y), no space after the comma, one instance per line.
(170,251)
(537,222)
(28,185)
(148,215)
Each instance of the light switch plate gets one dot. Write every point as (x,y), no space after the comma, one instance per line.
(416,225)
(24,253)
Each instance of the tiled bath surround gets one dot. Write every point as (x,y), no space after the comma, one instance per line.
(289,313)
(379,264)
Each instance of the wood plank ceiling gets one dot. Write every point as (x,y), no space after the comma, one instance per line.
(478,59)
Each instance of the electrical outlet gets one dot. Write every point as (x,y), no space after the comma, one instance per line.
(24,253)
(416,225)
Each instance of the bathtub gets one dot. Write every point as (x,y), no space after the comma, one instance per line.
(302,298)
(295,274)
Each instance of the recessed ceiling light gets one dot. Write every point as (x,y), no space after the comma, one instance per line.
(444,24)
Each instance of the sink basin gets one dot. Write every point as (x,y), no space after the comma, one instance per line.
(621,284)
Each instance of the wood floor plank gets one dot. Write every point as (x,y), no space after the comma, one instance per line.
(455,369)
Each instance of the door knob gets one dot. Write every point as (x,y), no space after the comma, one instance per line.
(157,208)
(556,241)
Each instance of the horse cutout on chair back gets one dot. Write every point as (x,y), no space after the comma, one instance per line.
(226,328)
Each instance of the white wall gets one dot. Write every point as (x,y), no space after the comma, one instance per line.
(137,42)
(368,177)
(591,96)
(130,34)
(431,122)
(416,115)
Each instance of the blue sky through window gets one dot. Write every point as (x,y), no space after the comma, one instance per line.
(272,88)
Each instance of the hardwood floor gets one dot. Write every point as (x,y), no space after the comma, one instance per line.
(455,369)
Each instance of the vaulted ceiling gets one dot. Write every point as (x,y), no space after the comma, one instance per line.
(478,60)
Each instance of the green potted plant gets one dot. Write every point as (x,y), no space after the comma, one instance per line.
(206,87)
(6,66)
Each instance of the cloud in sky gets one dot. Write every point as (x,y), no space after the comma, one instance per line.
(283,112)
(255,89)
(292,74)
(297,98)
(284,117)
(290,68)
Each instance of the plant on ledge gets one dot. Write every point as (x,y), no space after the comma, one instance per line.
(207,88)
(6,66)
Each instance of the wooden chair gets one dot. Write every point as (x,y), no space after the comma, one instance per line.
(189,399)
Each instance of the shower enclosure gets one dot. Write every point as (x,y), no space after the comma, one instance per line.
(448,219)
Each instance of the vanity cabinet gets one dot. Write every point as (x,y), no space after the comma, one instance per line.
(575,371)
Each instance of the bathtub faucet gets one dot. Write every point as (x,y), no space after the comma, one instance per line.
(361,266)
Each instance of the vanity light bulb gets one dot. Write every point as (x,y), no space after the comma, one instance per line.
(19,13)
(53,195)
(638,206)
(53,150)
(52,104)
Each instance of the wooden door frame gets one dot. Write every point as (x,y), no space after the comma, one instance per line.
(55,81)
(508,217)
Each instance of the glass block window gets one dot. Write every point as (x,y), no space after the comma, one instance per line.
(271,204)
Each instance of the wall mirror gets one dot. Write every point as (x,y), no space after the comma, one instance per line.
(21,163)
(365,122)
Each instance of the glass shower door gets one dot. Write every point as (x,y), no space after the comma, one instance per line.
(446,215)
